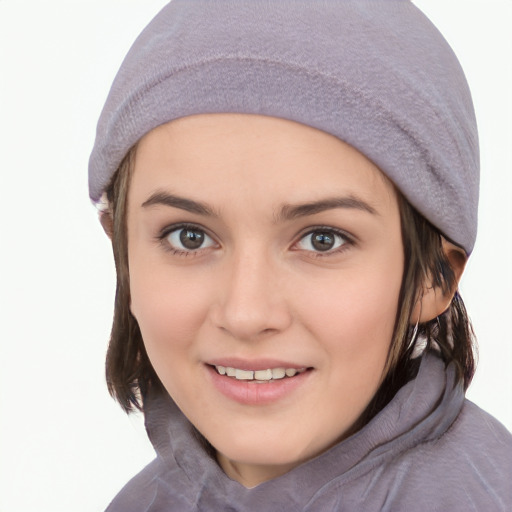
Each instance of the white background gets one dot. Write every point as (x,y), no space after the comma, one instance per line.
(65,446)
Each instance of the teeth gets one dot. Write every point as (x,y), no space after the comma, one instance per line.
(244,375)
(259,375)
(278,373)
(263,374)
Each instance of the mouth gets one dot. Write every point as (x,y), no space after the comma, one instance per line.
(258,383)
(258,376)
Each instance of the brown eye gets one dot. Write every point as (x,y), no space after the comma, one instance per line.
(322,241)
(189,239)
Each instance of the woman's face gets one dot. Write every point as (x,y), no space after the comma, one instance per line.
(265,267)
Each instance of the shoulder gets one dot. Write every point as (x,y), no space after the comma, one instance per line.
(138,494)
(156,488)
(480,426)
(479,441)
(469,467)
(466,468)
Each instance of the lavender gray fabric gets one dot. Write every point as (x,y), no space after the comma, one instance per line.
(375,73)
(429,450)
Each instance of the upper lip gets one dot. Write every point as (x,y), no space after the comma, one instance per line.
(254,364)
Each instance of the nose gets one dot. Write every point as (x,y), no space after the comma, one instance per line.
(252,302)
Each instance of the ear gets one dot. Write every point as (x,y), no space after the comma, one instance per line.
(108,223)
(433,301)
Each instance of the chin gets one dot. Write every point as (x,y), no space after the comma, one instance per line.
(265,451)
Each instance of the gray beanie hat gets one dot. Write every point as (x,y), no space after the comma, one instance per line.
(375,73)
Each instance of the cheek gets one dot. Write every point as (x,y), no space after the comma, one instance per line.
(170,311)
(353,315)
(169,308)
(359,308)
(354,323)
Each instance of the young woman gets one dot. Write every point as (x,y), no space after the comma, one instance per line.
(291,192)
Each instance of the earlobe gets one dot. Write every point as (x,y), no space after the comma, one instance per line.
(434,301)
(107,223)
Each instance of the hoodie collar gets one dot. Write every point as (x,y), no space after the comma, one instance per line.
(423,409)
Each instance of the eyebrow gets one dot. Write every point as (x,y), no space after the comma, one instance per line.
(287,212)
(189,205)
(290,212)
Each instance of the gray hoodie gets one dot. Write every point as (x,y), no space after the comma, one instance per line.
(429,449)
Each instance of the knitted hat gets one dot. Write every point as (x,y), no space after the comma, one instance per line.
(375,73)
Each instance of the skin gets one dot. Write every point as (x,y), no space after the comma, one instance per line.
(257,287)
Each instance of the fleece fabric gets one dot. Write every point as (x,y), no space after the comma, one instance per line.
(375,73)
(429,449)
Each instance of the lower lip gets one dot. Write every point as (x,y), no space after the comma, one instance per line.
(256,393)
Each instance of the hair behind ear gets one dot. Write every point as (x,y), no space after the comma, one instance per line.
(436,265)
(438,289)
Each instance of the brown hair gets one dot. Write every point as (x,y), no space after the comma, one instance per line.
(130,374)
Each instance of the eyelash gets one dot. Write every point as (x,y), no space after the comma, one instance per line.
(348,241)
(166,232)
(162,238)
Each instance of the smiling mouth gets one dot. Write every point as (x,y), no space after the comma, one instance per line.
(261,376)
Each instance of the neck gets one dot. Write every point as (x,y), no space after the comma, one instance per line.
(251,475)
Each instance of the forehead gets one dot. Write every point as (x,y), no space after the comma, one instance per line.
(214,156)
